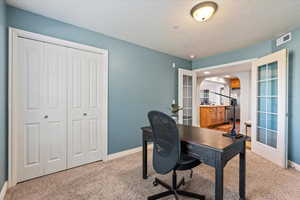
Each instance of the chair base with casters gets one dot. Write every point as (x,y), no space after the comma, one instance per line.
(174,189)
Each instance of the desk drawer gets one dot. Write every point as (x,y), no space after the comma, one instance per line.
(205,155)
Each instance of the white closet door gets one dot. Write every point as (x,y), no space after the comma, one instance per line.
(57,107)
(93,107)
(76,155)
(29,63)
(84,97)
(55,104)
(42,138)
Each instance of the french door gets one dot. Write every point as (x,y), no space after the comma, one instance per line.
(186,97)
(269,112)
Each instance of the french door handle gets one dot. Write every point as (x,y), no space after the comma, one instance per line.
(46,116)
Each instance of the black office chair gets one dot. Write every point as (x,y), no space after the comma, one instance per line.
(167,155)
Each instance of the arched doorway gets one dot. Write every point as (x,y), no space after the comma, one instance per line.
(215,110)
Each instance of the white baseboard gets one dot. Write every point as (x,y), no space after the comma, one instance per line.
(3,191)
(127,152)
(294,165)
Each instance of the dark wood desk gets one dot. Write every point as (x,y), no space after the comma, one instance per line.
(211,148)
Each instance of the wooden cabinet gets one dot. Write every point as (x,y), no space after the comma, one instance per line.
(235,83)
(220,115)
(211,115)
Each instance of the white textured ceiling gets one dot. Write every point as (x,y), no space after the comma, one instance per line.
(166,25)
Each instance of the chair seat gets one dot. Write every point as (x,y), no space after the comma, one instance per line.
(186,162)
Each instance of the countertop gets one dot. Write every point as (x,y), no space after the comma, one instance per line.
(213,106)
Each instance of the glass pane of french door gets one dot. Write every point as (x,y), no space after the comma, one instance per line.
(267,103)
(187,99)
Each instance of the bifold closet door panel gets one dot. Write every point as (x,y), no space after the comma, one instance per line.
(42,135)
(77,93)
(30,138)
(93,102)
(84,113)
(55,95)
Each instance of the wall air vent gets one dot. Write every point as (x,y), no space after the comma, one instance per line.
(284,39)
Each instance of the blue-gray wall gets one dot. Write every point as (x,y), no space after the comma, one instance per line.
(3,94)
(259,50)
(253,51)
(140,79)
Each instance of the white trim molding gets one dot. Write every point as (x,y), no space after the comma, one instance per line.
(224,65)
(294,165)
(127,152)
(3,191)
(13,117)
(55,41)
(245,108)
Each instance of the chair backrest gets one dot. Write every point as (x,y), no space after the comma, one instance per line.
(166,142)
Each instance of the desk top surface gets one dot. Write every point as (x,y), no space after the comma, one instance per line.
(204,137)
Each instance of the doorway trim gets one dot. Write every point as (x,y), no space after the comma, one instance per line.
(12,101)
(224,65)
(211,67)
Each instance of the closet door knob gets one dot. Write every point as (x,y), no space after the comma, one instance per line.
(46,116)
(84,114)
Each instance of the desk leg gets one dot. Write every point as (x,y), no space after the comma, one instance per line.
(144,159)
(243,174)
(219,187)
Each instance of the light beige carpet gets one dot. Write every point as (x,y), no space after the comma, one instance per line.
(121,179)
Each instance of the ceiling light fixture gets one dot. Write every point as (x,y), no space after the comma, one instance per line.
(227,76)
(192,56)
(206,73)
(203,11)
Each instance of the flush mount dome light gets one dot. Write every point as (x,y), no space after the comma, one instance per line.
(192,56)
(203,11)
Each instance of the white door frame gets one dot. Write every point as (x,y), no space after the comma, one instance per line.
(196,114)
(225,65)
(13,116)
